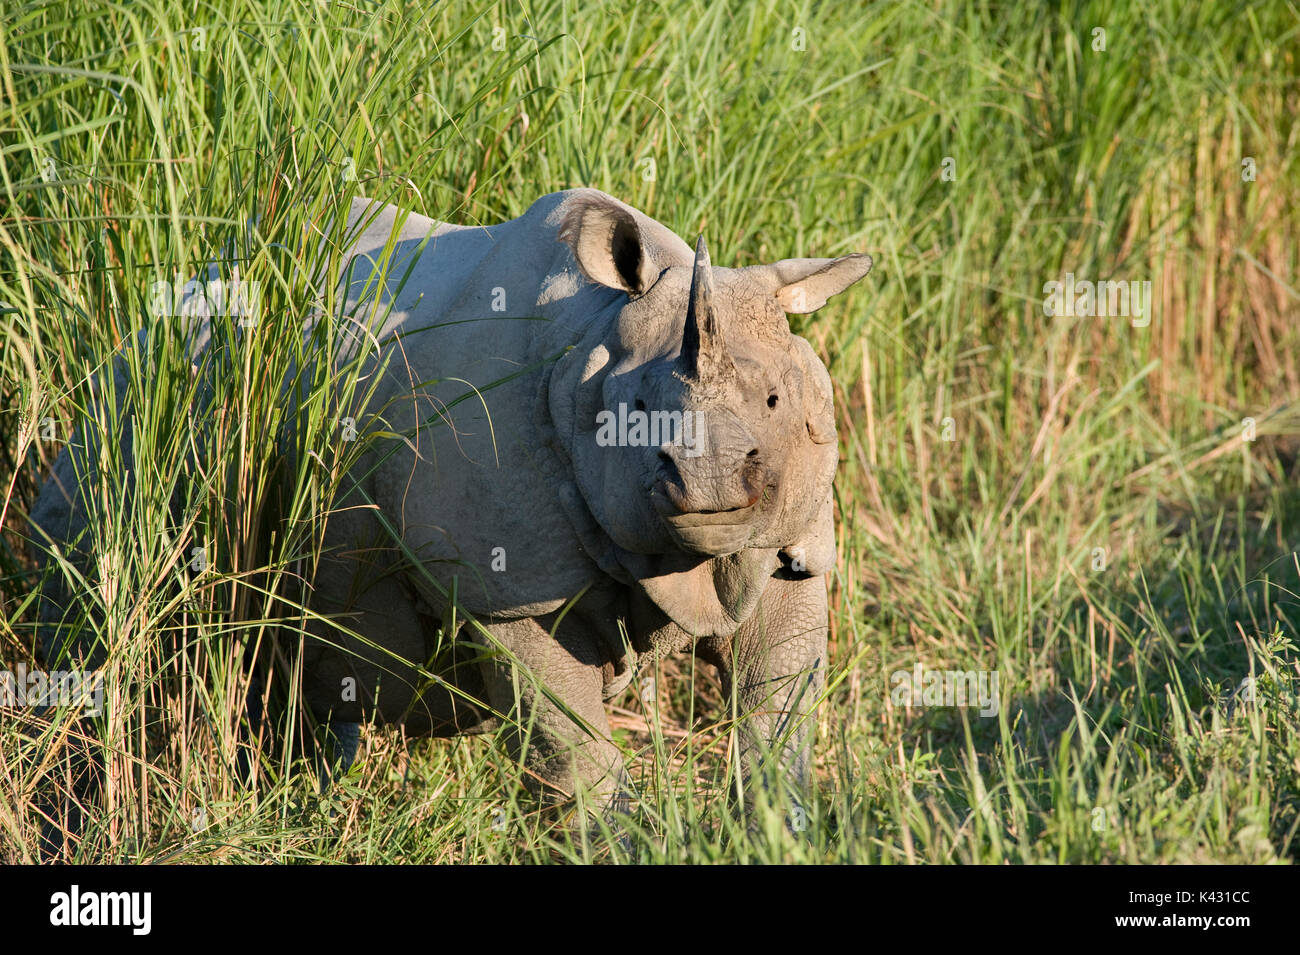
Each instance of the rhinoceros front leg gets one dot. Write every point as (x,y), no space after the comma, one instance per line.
(552,691)
(775,664)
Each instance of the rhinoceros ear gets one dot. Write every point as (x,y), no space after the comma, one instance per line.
(615,246)
(801,286)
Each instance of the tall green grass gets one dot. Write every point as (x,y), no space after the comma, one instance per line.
(1067,501)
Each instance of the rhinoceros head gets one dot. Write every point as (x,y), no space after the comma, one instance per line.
(700,423)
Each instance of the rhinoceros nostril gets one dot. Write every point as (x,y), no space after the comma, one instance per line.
(668,468)
(753,453)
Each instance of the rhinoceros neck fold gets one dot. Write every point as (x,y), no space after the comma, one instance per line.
(706,598)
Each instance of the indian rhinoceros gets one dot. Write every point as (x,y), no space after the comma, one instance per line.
(643,467)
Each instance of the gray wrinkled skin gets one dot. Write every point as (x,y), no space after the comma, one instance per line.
(721,552)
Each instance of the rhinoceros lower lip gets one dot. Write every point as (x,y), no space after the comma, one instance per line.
(667,502)
(710,533)
(671,502)
(732,517)
(706,535)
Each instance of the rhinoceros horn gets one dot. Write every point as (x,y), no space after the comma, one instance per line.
(704,351)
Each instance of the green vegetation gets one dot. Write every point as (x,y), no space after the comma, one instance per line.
(1076,503)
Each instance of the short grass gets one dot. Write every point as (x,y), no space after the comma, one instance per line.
(1100,510)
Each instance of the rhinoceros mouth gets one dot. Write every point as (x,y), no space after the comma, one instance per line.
(735,515)
(674,507)
(696,534)
(707,532)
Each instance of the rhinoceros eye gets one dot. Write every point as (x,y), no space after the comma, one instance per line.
(771,401)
